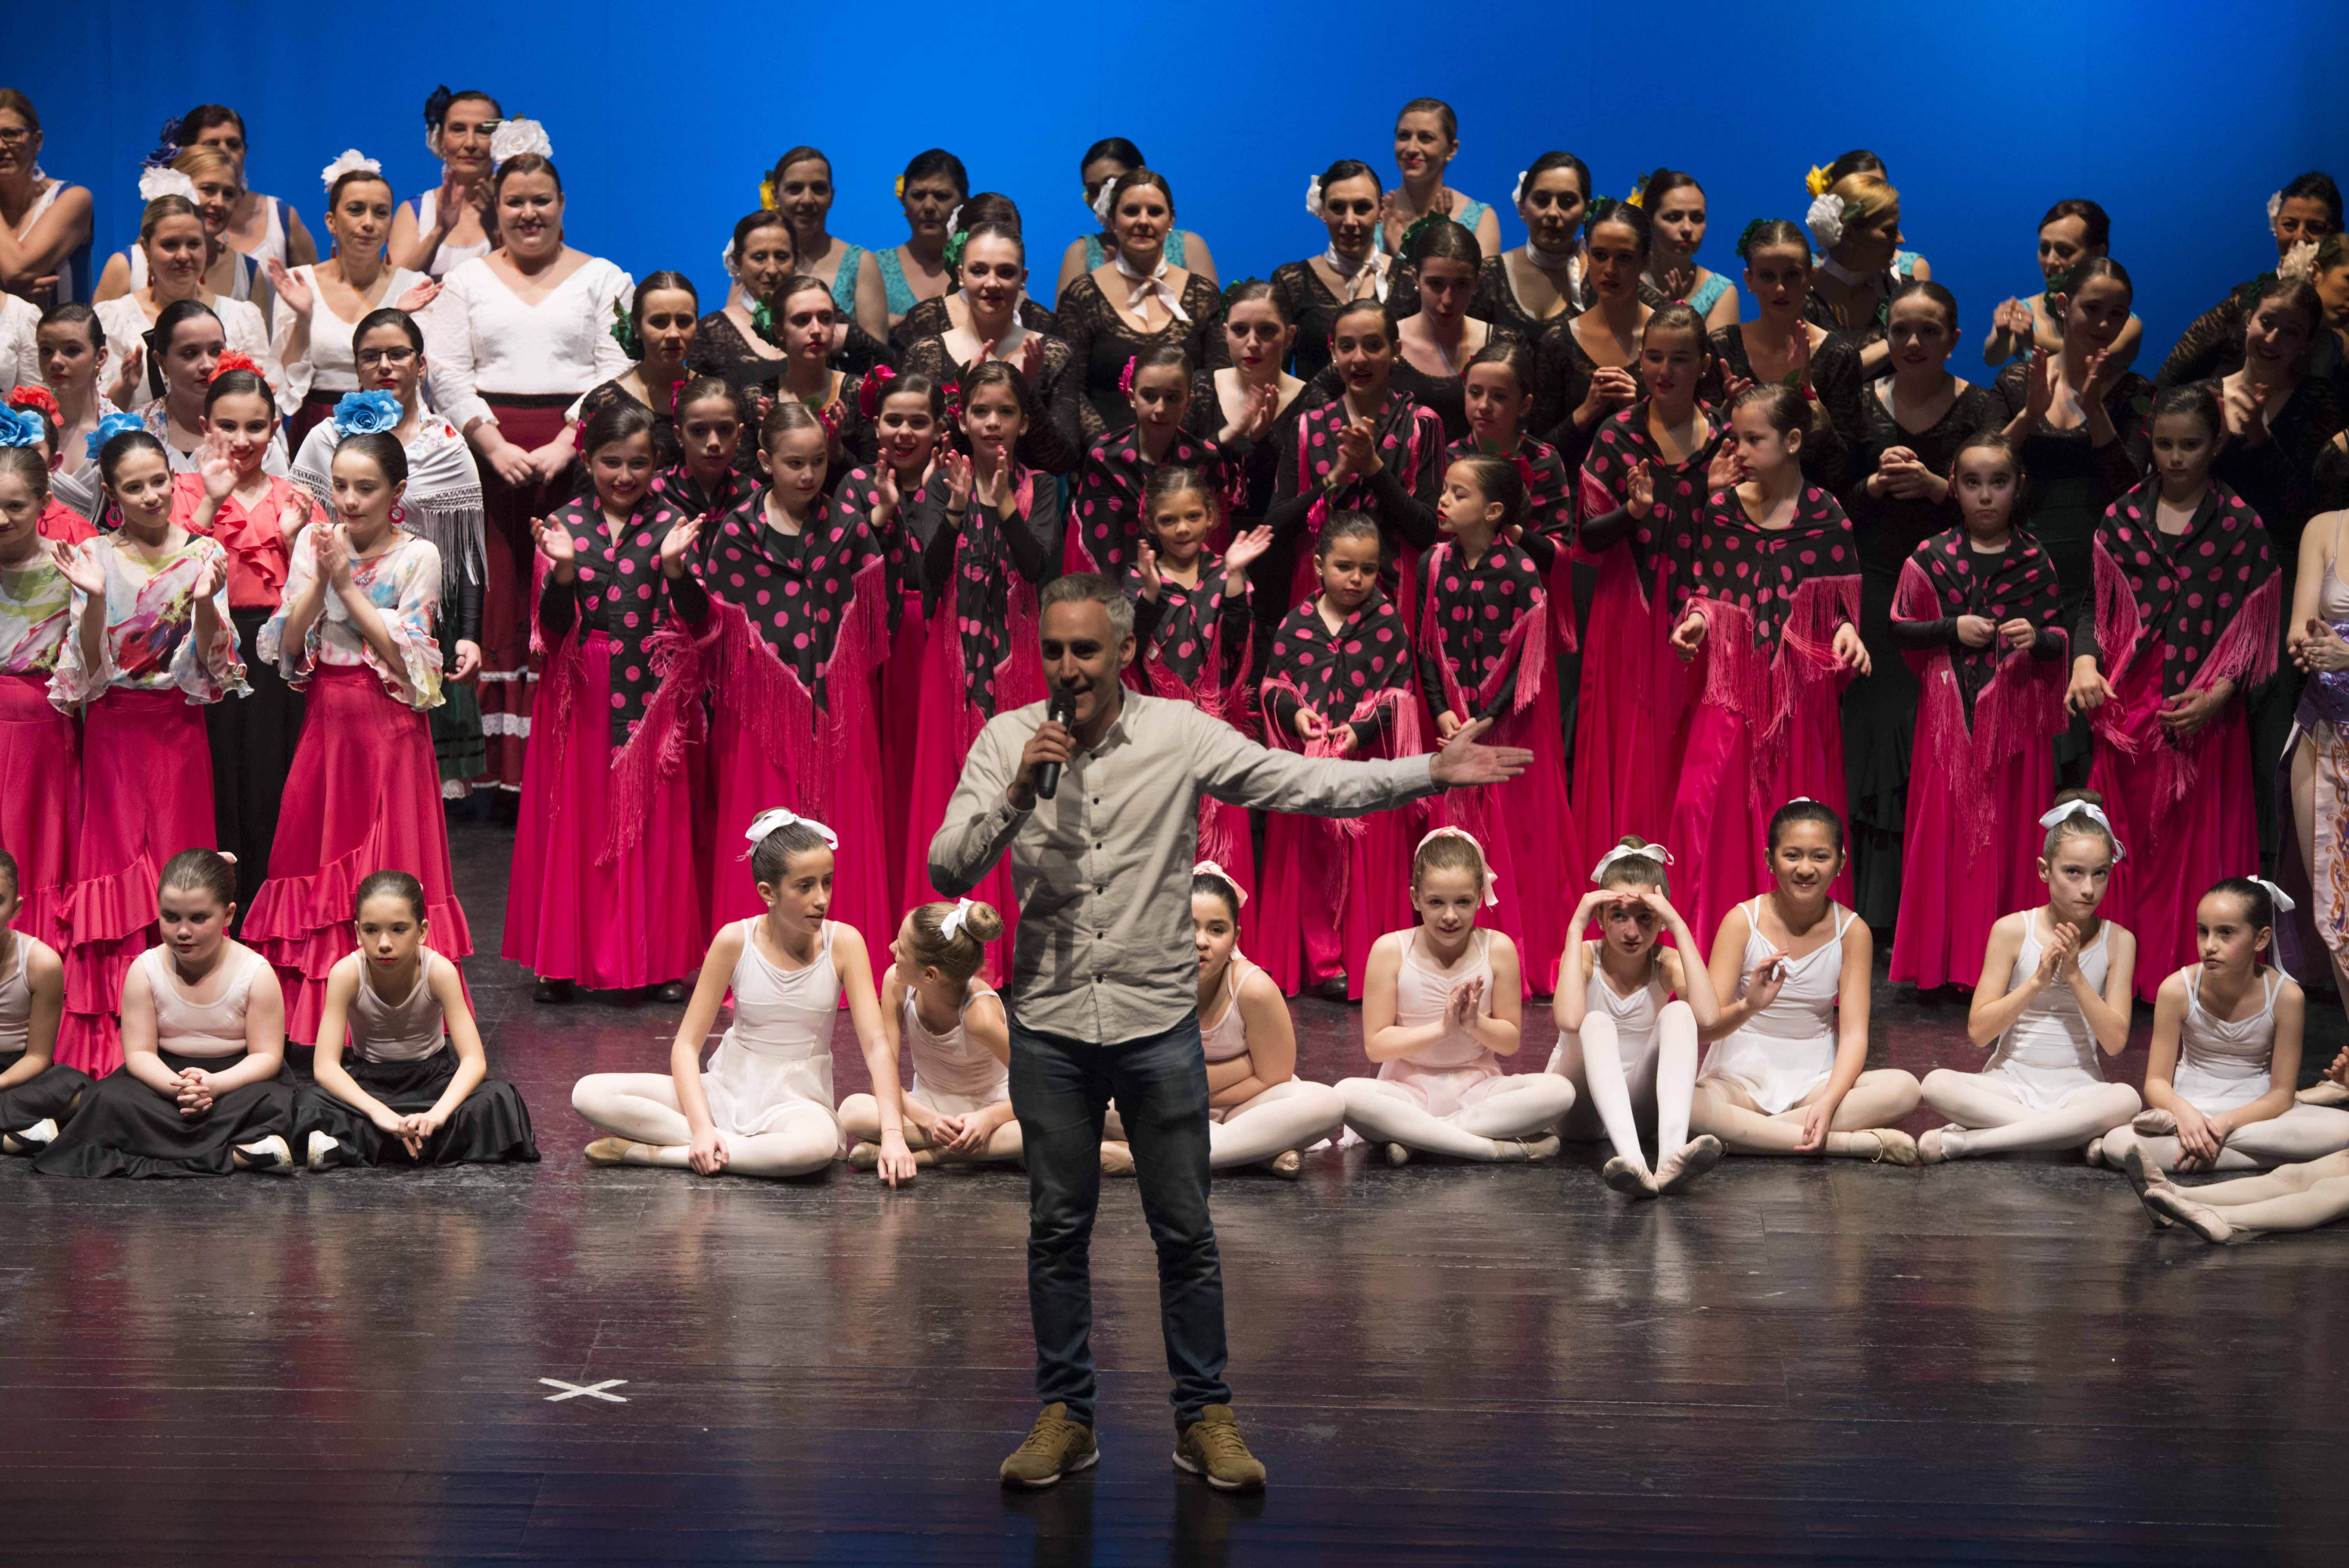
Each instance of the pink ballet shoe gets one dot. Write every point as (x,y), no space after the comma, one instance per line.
(2324,1092)
(2147,1179)
(1929,1150)
(1893,1147)
(2200,1217)
(1633,1181)
(1685,1164)
(2155,1122)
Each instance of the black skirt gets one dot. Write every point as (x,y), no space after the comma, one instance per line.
(252,743)
(126,1128)
(47,1096)
(490,1125)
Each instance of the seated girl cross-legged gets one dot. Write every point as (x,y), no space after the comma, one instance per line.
(932,1000)
(1439,1008)
(1787,1071)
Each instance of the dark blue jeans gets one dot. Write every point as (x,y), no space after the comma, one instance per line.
(1061,1089)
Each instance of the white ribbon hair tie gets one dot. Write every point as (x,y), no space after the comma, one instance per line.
(2095,814)
(767,822)
(2282,899)
(1626,853)
(1484,863)
(351,159)
(1210,869)
(951,926)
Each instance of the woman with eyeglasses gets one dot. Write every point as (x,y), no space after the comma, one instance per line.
(45,223)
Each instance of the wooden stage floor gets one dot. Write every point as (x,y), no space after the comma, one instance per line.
(1991,1362)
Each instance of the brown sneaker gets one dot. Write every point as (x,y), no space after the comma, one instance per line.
(1210,1447)
(1056,1447)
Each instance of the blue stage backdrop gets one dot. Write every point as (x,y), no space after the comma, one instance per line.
(2177,118)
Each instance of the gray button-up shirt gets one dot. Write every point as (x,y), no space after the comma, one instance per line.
(1102,871)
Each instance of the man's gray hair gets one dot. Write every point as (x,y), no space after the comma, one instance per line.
(1082,587)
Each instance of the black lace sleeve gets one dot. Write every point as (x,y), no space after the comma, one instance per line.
(1034,540)
(928,318)
(720,349)
(2125,460)
(1835,379)
(1292,285)
(2213,346)
(1055,445)
(1101,341)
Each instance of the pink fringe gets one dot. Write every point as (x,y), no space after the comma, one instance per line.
(2023,706)
(672,723)
(762,697)
(2245,653)
(2119,622)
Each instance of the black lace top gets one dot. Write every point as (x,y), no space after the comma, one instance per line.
(1313,307)
(931,318)
(1888,528)
(1562,373)
(1838,426)
(2213,345)
(1101,341)
(720,349)
(1053,444)
(1497,302)
(2073,480)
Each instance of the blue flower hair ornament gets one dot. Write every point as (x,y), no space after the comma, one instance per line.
(22,427)
(113,425)
(367,413)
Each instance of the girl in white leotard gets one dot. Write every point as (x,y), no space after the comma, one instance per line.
(1440,1009)
(764,1106)
(2226,1053)
(1787,1071)
(953,1023)
(2053,999)
(1627,1012)
(1261,1112)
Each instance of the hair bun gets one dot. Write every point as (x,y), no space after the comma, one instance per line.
(2066,797)
(1631,841)
(983,923)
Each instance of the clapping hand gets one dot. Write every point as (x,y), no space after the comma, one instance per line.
(418,297)
(1247,550)
(1640,490)
(331,551)
(289,287)
(2061,952)
(677,546)
(81,567)
(1467,998)
(555,542)
(1357,457)
(1145,569)
(1726,470)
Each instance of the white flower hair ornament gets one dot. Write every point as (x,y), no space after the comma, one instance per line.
(351,161)
(725,261)
(1100,203)
(1517,196)
(2095,814)
(951,926)
(2299,263)
(1484,861)
(1825,221)
(1626,853)
(954,219)
(2275,207)
(513,138)
(767,822)
(1313,195)
(154,184)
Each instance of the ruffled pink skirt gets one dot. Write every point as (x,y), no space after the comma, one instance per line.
(1631,719)
(750,781)
(147,794)
(363,797)
(40,803)
(1953,888)
(1529,838)
(1722,810)
(939,750)
(634,921)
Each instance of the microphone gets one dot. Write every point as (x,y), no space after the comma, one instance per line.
(1062,712)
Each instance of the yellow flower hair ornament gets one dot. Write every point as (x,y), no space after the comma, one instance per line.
(767,194)
(1817,182)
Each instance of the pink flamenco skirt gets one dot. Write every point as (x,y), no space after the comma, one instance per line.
(363,797)
(1727,795)
(1969,858)
(147,794)
(948,724)
(609,924)
(1329,887)
(40,803)
(2183,820)
(1529,838)
(1632,729)
(901,734)
(749,780)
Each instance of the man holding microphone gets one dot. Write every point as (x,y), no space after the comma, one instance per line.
(1097,801)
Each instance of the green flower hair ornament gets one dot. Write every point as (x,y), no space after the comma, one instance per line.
(1601,208)
(1411,235)
(955,246)
(623,333)
(1230,295)
(762,321)
(1745,239)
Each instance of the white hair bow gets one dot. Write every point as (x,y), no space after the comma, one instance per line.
(2094,813)
(154,184)
(2282,899)
(951,926)
(515,137)
(1484,863)
(352,158)
(1210,869)
(1626,853)
(767,822)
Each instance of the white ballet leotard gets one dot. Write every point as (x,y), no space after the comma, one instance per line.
(17,999)
(953,1074)
(407,1030)
(1787,1049)
(1443,1076)
(777,1054)
(202,1031)
(2221,1065)
(1635,1016)
(2049,1053)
